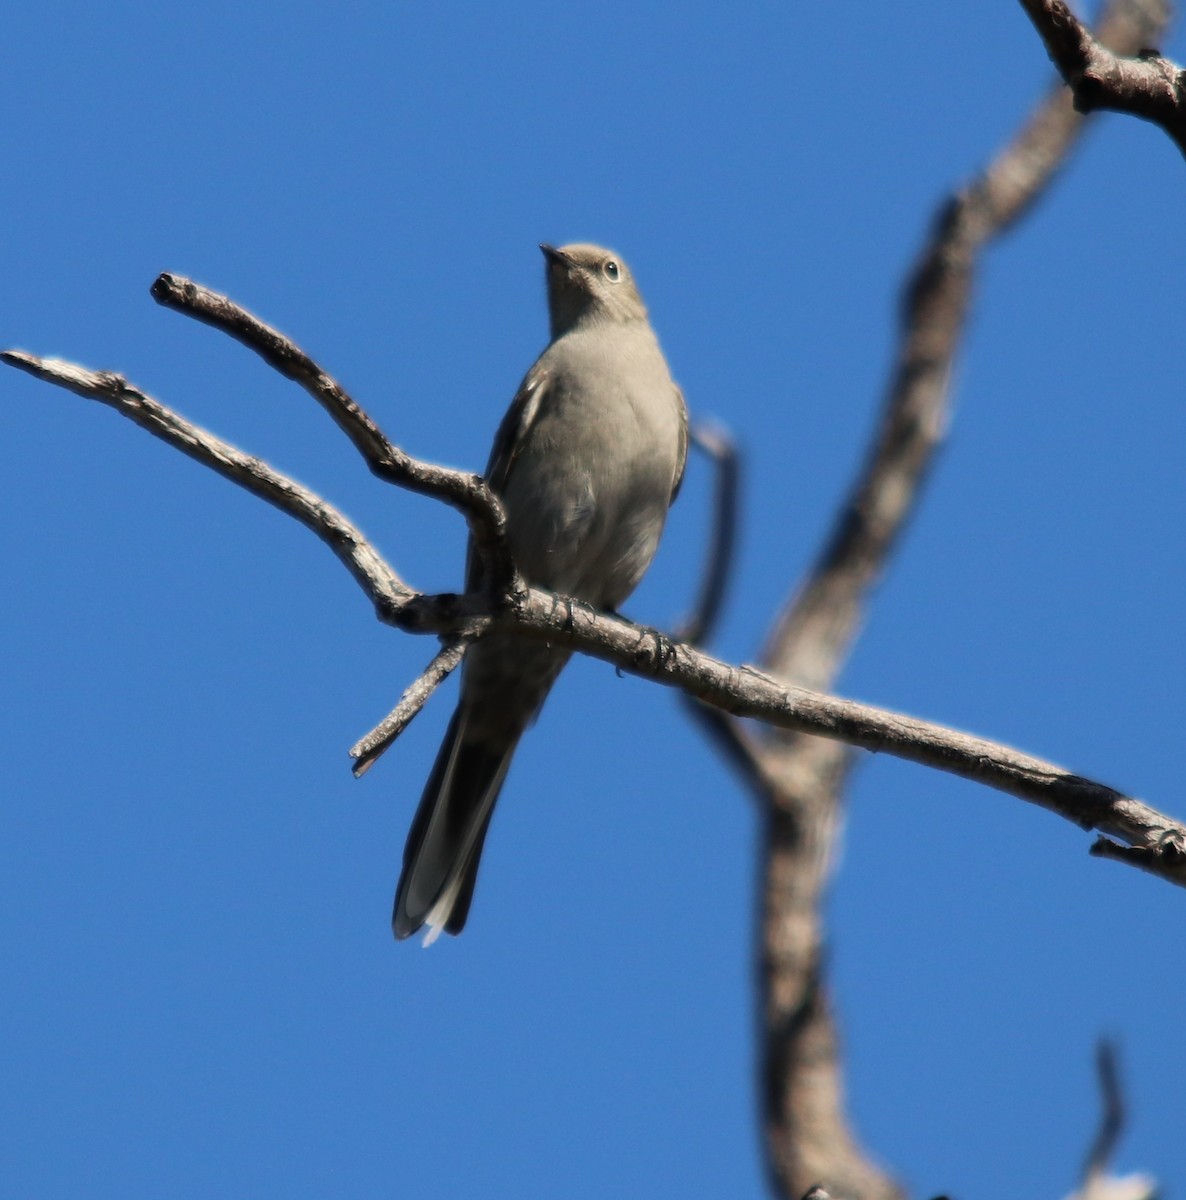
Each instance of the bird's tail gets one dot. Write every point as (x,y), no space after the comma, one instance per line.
(445,842)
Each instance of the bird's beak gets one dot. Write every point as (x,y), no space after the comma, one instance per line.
(554,256)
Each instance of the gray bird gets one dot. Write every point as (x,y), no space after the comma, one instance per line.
(586,462)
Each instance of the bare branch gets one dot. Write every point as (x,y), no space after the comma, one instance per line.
(366,750)
(742,691)
(1112,1114)
(1138,81)
(733,741)
(1146,858)
(462,490)
(745,691)
(813,636)
(800,779)
(1098,1183)
(718,444)
(384,587)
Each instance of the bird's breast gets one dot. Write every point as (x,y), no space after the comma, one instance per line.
(588,497)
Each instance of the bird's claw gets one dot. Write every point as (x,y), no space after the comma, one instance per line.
(662,653)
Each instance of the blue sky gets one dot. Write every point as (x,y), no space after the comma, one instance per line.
(202,996)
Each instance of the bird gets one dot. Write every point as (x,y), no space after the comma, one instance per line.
(586,463)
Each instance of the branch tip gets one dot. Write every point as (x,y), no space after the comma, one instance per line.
(367,750)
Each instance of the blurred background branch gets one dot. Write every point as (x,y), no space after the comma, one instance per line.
(799,780)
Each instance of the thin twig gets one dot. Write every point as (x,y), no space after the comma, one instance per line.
(367,750)
(384,587)
(1112,1115)
(733,741)
(698,628)
(1097,1182)
(1139,81)
(462,490)
(1145,858)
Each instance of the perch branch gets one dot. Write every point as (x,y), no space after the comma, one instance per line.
(462,490)
(1137,81)
(747,692)
(742,691)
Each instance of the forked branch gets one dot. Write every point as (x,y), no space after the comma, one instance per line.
(463,490)
(739,690)
(1141,83)
(799,781)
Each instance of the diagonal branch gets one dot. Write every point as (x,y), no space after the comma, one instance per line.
(1135,80)
(369,569)
(366,750)
(747,692)
(462,490)
(799,780)
(813,636)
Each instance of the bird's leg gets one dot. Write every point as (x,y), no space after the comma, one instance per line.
(561,601)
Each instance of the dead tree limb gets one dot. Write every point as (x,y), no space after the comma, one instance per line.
(367,749)
(1098,1181)
(462,490)
(742,691)
(798,780)
(1138,81)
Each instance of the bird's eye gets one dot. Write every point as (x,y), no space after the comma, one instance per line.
(611,270)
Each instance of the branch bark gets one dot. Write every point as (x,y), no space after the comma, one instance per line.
(742,691)
(346,540)
(366,750)
(1135,80)
(462,490)
(798,780)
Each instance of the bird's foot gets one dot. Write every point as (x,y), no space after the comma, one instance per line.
(654,647)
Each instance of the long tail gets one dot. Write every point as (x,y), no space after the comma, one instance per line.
(445,842)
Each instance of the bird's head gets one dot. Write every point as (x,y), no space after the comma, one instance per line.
(589,283)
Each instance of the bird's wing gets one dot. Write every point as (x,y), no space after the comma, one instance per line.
(508,441)
(512,433)
(682,461)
